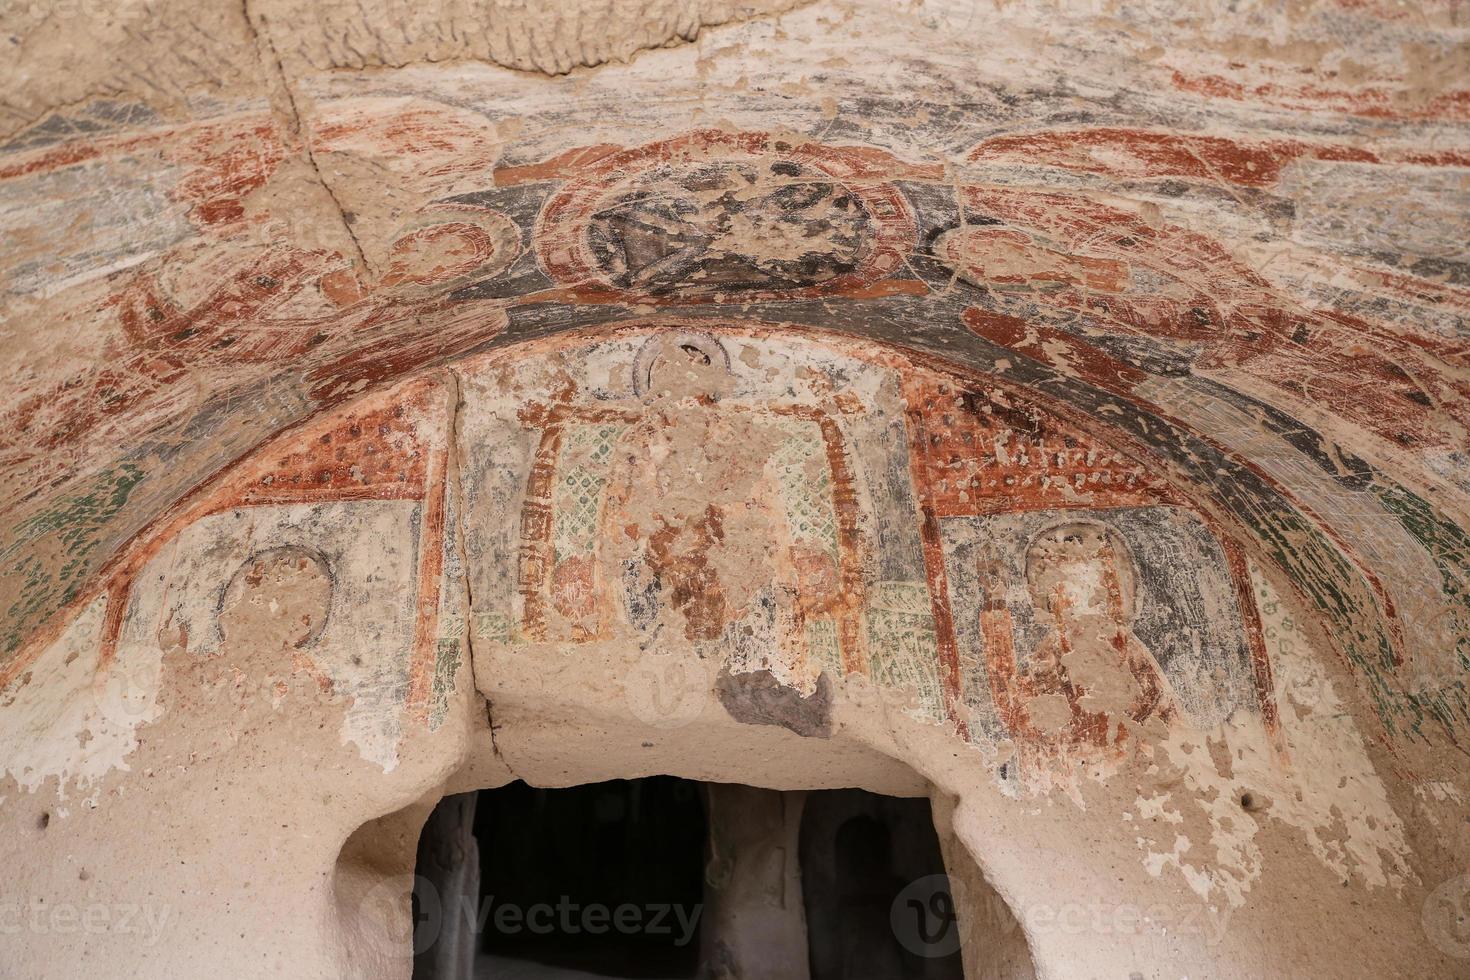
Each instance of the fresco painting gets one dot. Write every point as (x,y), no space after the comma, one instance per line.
(1055,411)
(1138,278)
(797,507)
(692,482)
(623,532)
(1080,627)
(840,476)
(330,544)
(712,214)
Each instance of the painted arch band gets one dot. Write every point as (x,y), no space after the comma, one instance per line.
(772,504)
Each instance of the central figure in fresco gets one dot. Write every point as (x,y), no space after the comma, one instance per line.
(729,227)
(662,525)
(697,540)
(1090,680)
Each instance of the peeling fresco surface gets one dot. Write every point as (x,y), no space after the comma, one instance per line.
(771,505)
(1029,590)
(706,493)
(1104,428)
(1115,313)
(301,563)
(799,513)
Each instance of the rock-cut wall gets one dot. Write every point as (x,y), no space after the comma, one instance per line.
(1057,412)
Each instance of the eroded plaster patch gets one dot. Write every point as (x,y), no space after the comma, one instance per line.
(354,630)
(72,718)
(1319,781)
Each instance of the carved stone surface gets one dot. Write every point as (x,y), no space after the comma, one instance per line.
(1057,410)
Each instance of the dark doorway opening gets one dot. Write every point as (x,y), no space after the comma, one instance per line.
(663,878)
(605,879)
(878,901)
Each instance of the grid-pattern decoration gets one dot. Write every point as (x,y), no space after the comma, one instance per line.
(901,644)
(805,477)
(823,650)
(374,453)
(577,498)
(981,454)
(494,627)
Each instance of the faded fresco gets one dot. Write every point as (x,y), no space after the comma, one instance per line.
(783,509)
(712,493)
(712,215)
(318,567)
(793,508)
(1067,395)
(1083,627)
(1282,418)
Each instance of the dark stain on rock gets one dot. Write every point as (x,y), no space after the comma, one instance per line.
(758,698)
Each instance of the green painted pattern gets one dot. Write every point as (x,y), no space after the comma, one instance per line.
(805,478)
(447,656)
(577,494)
(901,643)
(1449,546)
(822,645)
(76,524)
(1325,577)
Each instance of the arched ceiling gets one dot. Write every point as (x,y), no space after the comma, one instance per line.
(1233,242)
